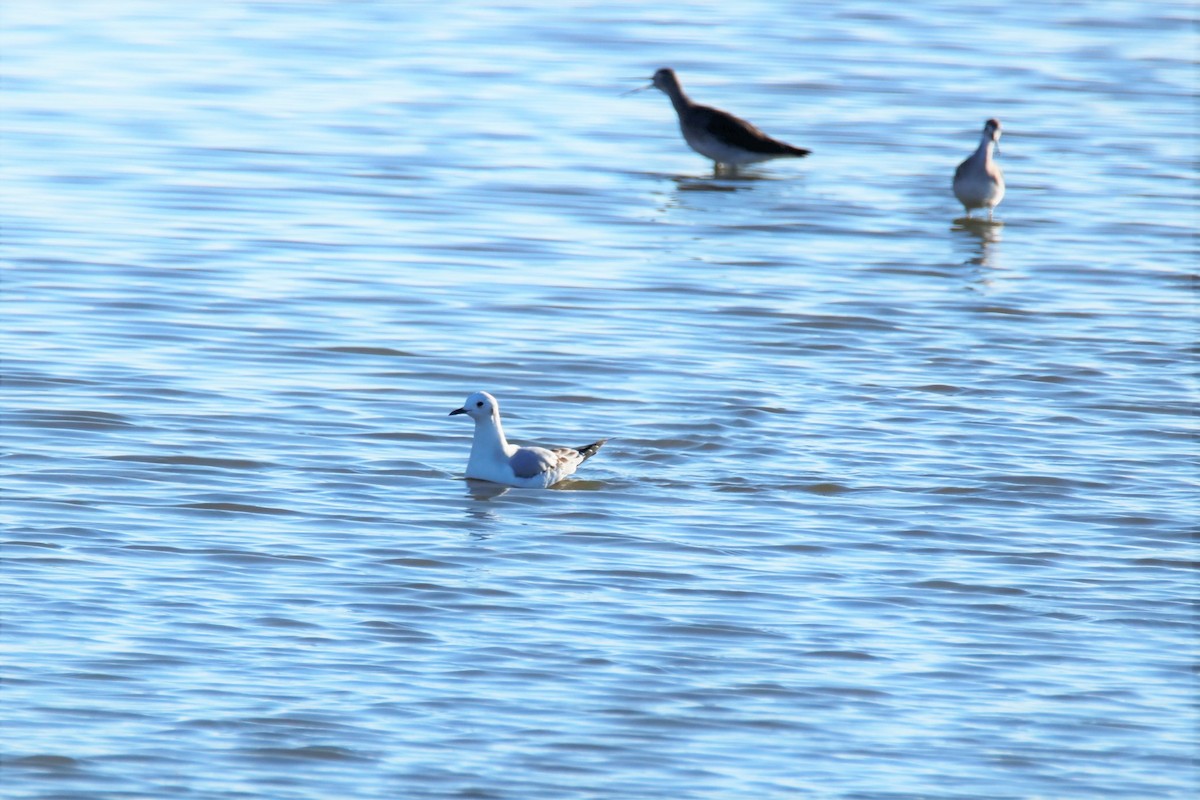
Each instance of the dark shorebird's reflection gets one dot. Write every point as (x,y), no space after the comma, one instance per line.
(716,182)
(698,186)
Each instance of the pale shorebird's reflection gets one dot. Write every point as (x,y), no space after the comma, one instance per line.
(979,239)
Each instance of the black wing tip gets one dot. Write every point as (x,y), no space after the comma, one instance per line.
(589,450)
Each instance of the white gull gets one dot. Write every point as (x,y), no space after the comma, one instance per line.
(494,459)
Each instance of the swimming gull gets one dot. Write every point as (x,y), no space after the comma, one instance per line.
(494,459)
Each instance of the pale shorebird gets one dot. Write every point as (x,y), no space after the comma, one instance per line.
(717,134)
(494,459)
(978,181)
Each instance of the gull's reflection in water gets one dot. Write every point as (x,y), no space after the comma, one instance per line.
(481,516)
(485,490)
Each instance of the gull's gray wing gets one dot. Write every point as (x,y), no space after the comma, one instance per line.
(529,462)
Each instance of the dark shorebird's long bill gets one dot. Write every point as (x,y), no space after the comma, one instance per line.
(649,85)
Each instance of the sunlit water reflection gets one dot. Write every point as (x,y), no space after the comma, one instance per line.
(896,504)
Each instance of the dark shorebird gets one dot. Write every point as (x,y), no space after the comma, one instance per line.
(978,181)
(494,459)
(728,140)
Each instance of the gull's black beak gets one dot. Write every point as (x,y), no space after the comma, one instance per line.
(457,411)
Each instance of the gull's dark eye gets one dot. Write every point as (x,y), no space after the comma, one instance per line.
(479,404)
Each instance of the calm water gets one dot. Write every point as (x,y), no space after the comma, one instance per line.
(895,507)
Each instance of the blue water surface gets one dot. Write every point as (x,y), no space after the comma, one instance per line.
(894,506)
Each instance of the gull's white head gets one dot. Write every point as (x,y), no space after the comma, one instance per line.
(479,405)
